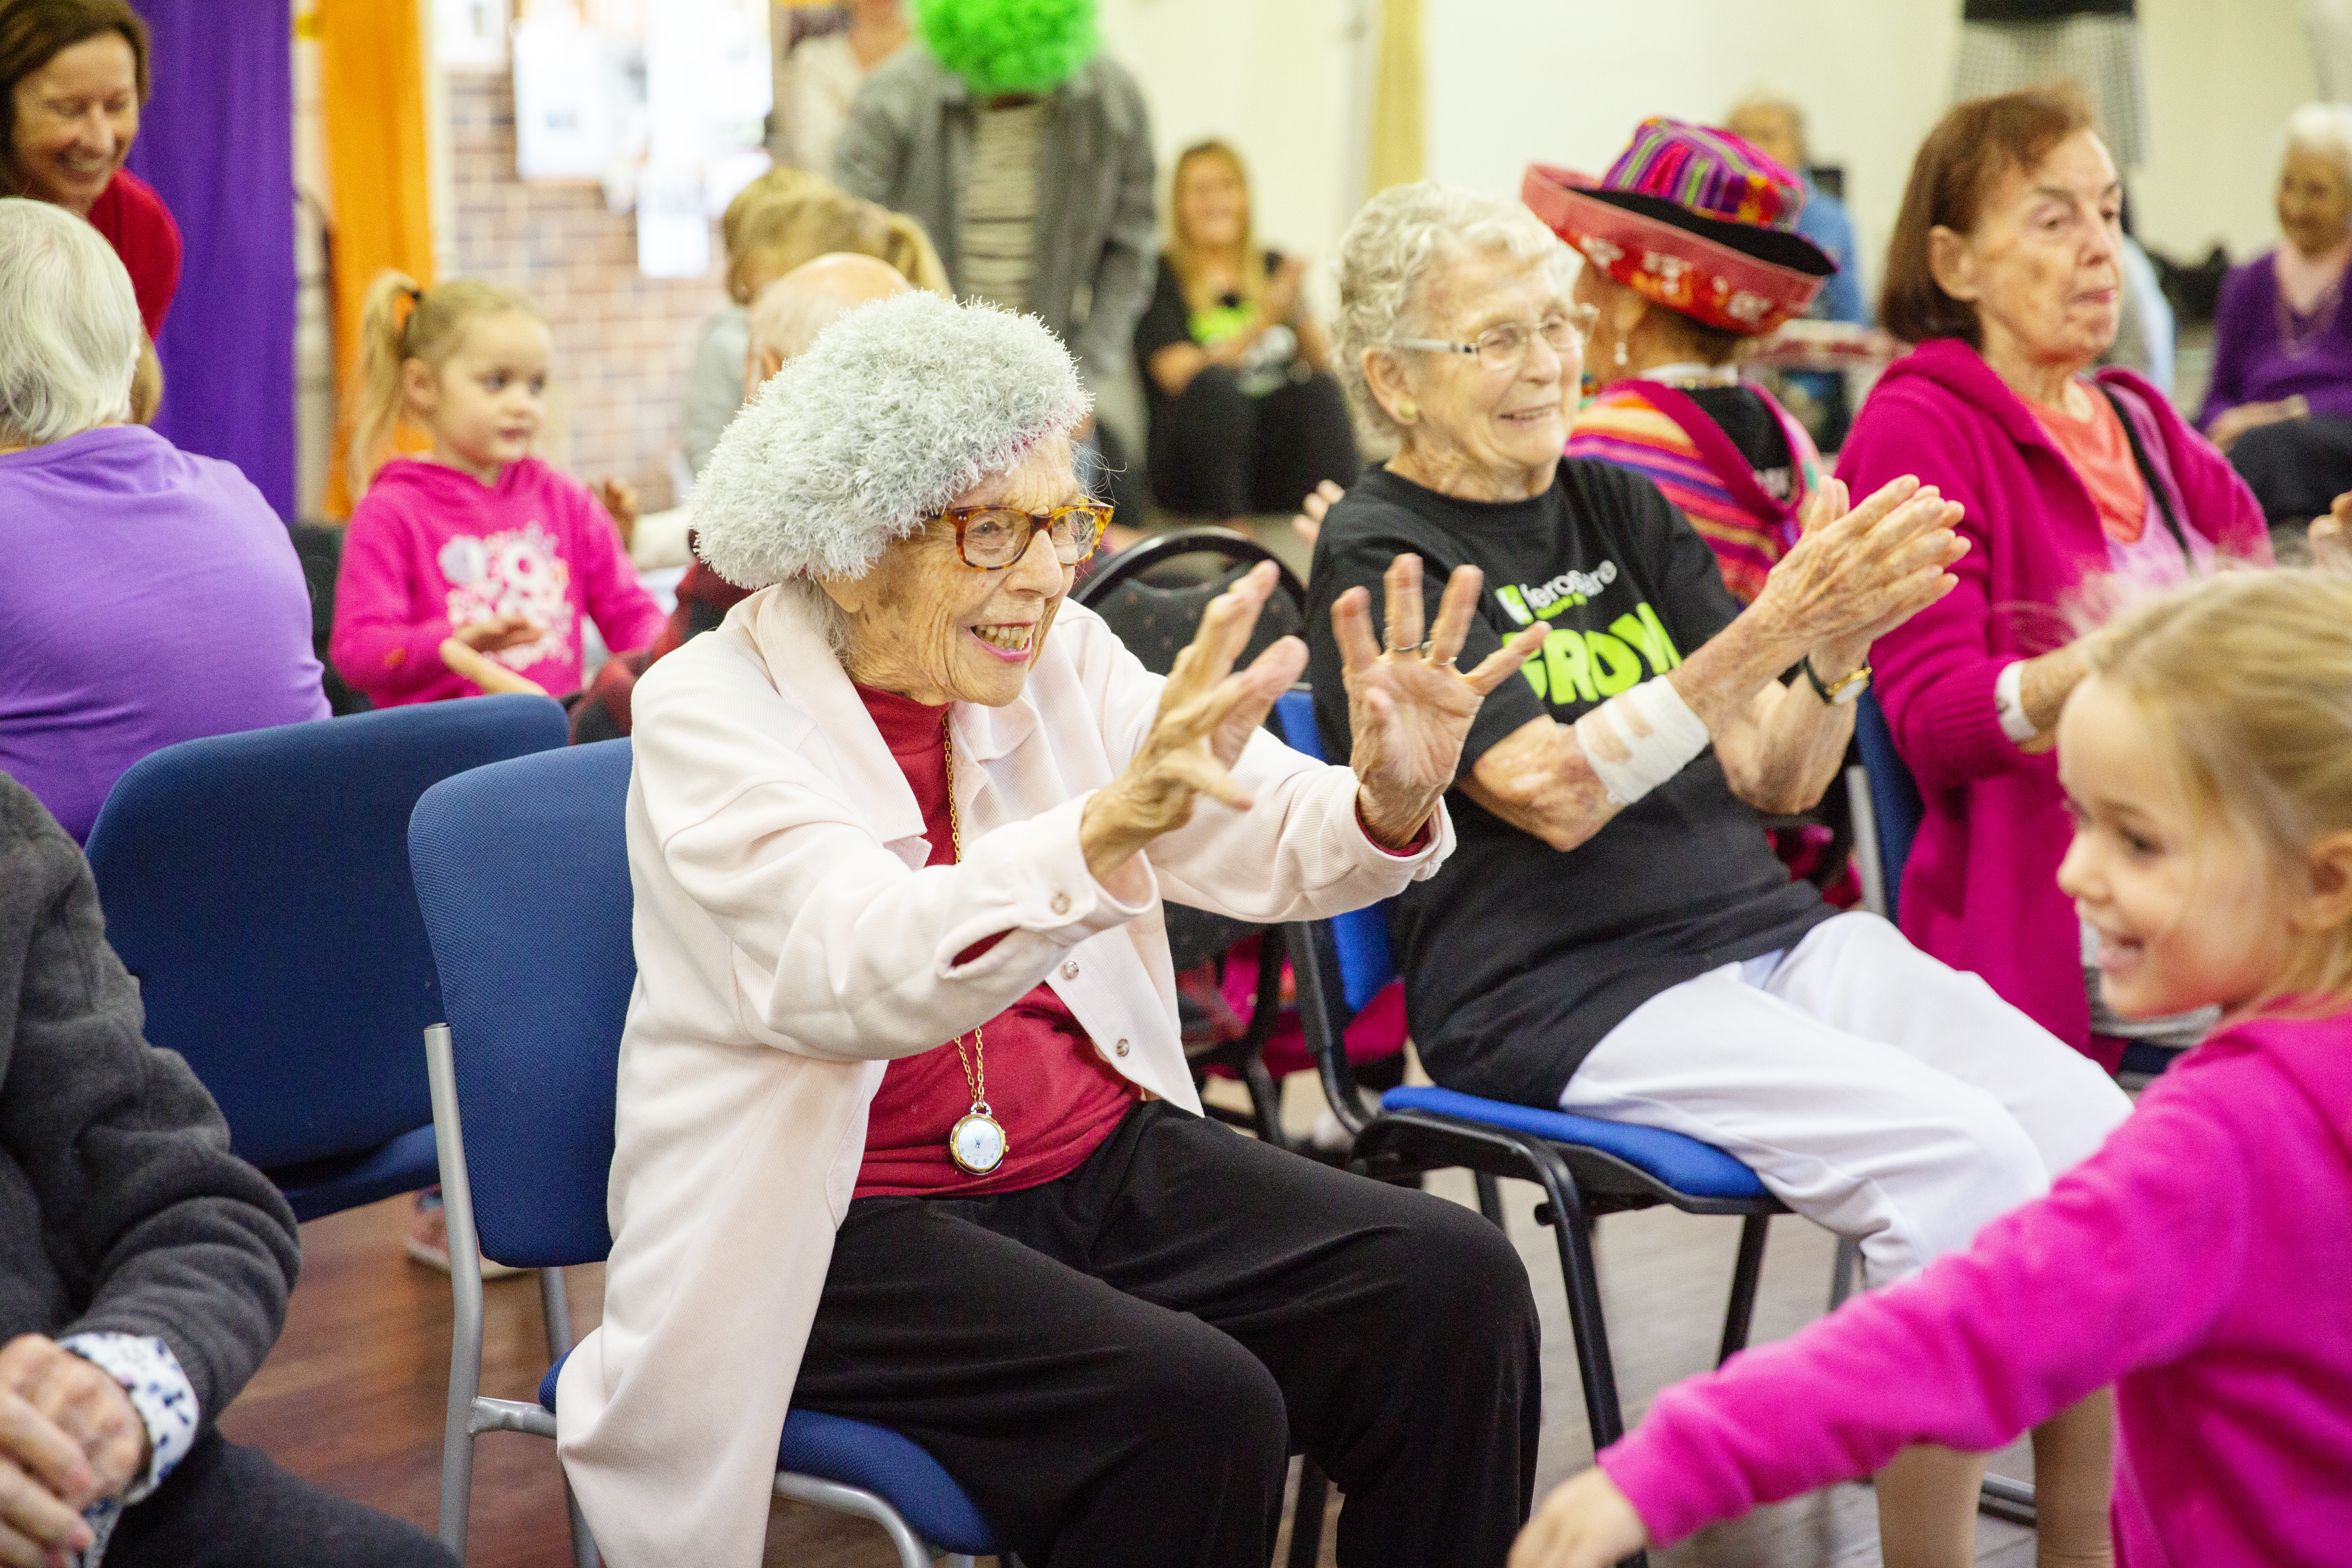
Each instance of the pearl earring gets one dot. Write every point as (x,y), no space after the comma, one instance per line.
(1621,354)
(1407,411)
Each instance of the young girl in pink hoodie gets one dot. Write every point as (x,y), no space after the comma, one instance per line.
(2201,1260)
(479,541)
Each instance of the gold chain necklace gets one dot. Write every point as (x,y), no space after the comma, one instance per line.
(977,1141)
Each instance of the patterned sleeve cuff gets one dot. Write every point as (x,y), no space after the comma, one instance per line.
(159,1391)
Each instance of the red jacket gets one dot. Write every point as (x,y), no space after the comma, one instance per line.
(1981,890)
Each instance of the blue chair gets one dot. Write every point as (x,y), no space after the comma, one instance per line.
(258,885)
(522,872)
(1586,1167)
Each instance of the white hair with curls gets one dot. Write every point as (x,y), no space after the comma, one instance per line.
(2325,130)
(69,330)
(1396,242)
(895,410)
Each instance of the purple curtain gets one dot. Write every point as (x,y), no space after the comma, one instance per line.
(216,141)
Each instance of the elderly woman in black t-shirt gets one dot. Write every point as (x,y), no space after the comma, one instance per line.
(1613,935)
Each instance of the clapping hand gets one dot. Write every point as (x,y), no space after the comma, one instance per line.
(1309,523)
(69,1437)
(1409,708)
(620,500)
(1586,1522)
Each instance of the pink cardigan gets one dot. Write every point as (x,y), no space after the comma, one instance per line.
(1981,890)
(2201,1261)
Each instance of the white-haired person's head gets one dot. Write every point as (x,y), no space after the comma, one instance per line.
(70,331)
(2314,183)
(1457,333)
(787,315)
(910,477)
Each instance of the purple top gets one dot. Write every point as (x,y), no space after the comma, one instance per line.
(2250,362)
(151,597)
(2201,1261)
(1981,890)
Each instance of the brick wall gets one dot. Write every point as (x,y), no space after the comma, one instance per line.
(622,342)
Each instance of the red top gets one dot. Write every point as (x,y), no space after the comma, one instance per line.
(140,227)
(1046,1085)
(2101,457)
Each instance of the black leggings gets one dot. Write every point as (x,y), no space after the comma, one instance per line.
(1117,1364)
(229,1506)
(2295,467)
(1218,452)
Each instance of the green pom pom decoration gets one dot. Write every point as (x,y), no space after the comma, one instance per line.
(1009,45)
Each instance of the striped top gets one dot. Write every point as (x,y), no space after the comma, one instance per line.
(996,243)
(1625,427)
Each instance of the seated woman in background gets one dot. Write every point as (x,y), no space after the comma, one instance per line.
(1246,416)
(905,1131)
(1672,403)
(2281,399)
(151,596)
(2003,269)
(775,223)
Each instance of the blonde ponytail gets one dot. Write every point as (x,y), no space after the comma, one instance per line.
(2247,678)
(399,322)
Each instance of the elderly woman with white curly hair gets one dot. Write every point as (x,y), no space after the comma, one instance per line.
(1613,934)
(906,1133)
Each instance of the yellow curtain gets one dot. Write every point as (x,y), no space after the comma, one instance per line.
(372,83)
(1398,145)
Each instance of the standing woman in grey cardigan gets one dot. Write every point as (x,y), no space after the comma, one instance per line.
(1027,155)
(143,1271)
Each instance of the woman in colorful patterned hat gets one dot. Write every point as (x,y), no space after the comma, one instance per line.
(1691,249)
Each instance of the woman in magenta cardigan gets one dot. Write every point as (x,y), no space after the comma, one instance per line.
(2003,269)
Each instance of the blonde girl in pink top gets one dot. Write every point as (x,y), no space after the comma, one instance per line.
(477,555)
(2201,1262)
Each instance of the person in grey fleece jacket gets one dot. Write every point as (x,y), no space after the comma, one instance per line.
(144,1270)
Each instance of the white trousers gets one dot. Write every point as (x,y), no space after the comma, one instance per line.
(1875,1091)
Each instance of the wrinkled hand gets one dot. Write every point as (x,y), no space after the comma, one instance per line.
(1409,708)
(499,632)
(1860,572)
(2233,423)
(1586,1522)
(620,499)
(2331,536)
(69,1437)
(1309,523)
(1282,289)
(1207,713)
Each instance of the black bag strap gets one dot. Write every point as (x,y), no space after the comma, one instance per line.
(2149,477)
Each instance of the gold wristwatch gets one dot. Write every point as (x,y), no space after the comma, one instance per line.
(1845,691)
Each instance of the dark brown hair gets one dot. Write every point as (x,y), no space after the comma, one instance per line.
(35,32)
(1958,164)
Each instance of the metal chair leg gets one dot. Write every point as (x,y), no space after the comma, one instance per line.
(1307,1517)
(1490,1199)
(466,1287)
(1753,1232)
(1844,1272)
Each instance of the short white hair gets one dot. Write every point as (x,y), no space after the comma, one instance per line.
(1397,241)
(2325,130)
(69,330)
(896,408)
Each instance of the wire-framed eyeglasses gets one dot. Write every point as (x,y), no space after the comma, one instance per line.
(993,537)
(1504,346)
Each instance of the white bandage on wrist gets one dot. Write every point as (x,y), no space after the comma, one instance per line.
(1639,739)
(2009,702)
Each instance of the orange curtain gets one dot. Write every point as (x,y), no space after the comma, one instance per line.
(372,84)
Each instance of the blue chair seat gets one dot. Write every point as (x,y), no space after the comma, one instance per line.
(1686,1164)
(860,1454)
(321,1187)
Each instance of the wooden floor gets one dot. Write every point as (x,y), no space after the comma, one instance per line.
(352,1396)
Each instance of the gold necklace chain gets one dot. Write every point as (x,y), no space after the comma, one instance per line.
(976,1081)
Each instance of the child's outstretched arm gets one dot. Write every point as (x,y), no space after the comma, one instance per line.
(2127,1264)
(628,617)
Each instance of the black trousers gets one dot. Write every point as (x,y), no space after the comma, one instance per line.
(230,1507)
(1218,452)
(2296,467)
(1118,1365)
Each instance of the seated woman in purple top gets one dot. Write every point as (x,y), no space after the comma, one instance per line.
(2281,398)
(150,596)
